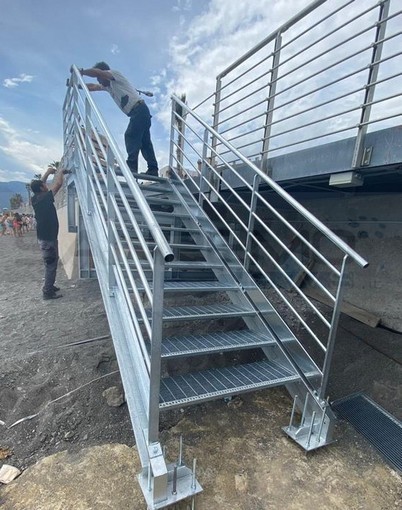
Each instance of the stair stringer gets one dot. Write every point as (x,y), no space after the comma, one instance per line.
(134,375)
(317,418)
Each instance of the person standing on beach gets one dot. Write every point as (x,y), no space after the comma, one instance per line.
(138,134)
(47,227)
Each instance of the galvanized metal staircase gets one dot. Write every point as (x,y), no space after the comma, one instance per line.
(157,254)
(201,262)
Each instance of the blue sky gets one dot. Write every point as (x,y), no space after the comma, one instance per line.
(161,45)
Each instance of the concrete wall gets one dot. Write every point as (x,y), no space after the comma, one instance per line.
(372,225)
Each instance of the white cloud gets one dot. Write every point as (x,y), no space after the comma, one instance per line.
(14,82)
(6,176)
(213,40)
(26,152)
(182,5)
(115,49)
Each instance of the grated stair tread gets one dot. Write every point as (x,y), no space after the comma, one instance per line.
(222,382)
(180,246)
(180,264)
(163,215)
(215,311)
(214,342)
(196,286)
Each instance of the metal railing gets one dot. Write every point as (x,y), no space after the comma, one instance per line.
(330,72)
(259,233)
(106,202)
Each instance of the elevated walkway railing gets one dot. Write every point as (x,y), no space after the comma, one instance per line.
(330,72)
(260,233)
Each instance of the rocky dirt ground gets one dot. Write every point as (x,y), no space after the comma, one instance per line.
(77,452)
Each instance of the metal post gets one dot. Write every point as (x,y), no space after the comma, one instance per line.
(171,148)
(88,129)
(111,217)
(156,345)
(370,87)
(303,418)
(311,429)
(83,249)
(215,117)
(293,412)
(181,126)
(271,101)
(205,170)
(215,125)
(332,332)
(71,208)
(180,460)
(251,221)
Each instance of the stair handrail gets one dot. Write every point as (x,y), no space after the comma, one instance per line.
(344,247)
(152,224)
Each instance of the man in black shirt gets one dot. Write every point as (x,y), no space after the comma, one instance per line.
(47,227)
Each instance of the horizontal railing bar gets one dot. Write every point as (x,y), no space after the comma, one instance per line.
(369,47)
(245,72)
(133,253)
(289,304)
(320,22)
(381,119)
(123,259)
(305,140)
(272,36)
(287,103)
(333,82)
(211,204)
(370,103)
(289,279)
(153,226)
(230,139)
(325,36)
(134,223)
(223,220)
(249,144)
(293,256)
(251,119)
(324,103)
(221,110)
(204,101)
(281,192)
(371,121)
(144,351)
(266,203)
(314,122)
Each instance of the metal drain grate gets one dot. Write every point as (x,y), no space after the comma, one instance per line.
(380,428)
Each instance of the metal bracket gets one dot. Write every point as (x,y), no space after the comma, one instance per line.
(366,157)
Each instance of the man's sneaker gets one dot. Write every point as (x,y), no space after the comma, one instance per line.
(55,289)
(51,295)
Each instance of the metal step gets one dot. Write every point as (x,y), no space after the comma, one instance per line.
(178,265)
(196,286)
(222,382)
(163,215)
(193,345)
(151,200)
(164,228)
(215,311)
(179,246)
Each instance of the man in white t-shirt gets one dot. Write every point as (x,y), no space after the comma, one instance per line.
(138,135)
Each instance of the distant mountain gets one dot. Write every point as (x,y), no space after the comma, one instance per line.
(8,189)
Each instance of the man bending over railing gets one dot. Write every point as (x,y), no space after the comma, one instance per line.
(137,136)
